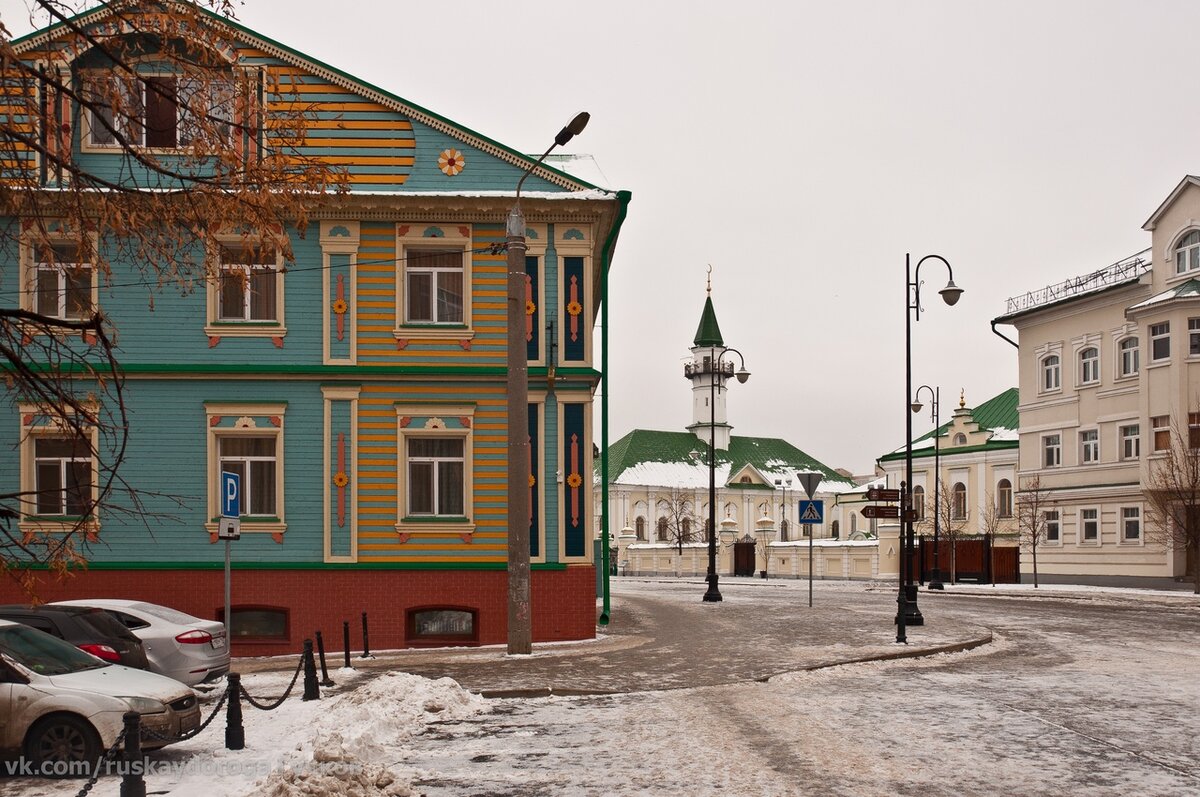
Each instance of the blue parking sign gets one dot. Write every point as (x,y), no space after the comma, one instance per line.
(231,494)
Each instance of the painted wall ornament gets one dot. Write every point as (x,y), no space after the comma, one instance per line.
(451,162)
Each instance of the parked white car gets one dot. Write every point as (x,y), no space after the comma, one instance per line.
(177,645)
(61,708)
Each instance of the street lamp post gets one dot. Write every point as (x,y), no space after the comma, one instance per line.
(713,594)
(935,578)
(520,627)
(783,484)
(912,304)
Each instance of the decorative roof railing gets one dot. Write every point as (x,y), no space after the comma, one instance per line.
(1127,270)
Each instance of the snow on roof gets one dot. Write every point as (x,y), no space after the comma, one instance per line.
(581,166)
(1189,289)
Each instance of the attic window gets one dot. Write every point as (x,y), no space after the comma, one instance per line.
(746,480)
(158,111)
(960,439)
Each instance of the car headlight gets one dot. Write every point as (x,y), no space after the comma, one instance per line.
(145,705)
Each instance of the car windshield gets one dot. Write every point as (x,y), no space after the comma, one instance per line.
(165,613)
(44,654)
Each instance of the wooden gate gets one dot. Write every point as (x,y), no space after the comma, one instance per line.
(743,557)
(975,559)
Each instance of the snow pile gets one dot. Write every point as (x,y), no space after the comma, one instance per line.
(333,771)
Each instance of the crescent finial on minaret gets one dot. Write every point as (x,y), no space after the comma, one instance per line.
(710,279)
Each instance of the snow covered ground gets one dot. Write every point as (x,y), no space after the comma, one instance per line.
(1092,692)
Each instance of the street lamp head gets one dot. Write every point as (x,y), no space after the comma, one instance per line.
(916,406)
(573,128)
(742,375)
(951,293)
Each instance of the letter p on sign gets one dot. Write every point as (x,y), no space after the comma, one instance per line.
(231,494)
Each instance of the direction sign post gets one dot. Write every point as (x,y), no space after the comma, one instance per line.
(229,529)
(881,511)
(810,512)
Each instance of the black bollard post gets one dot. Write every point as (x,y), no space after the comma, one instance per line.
(346,642)
(366,644)
(325,679)
(311,690)
(235,734)
(132,783)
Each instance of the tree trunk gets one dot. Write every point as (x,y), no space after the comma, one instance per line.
(1035,581)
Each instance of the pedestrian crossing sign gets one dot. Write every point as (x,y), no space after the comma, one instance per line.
(812,511)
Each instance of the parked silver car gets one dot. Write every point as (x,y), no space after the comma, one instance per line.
(177,645)
(60,707)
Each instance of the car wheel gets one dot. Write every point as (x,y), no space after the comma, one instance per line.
(62,746)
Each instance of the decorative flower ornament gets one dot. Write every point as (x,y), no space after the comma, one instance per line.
(574,308)
(530,308)
(339,306)
(574,480)
(532,480)
(451,162)
(340,479)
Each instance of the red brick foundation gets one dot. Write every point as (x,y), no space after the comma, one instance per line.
(563,601)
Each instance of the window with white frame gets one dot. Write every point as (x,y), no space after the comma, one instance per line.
(254,459)
(435,478)
(433,281)
(1089,366)
(157,111)
(1051,451)
(1160,341)
(1131,524)
(1004,498)
(1194,430)
(1089,446)
(63,473)
(64,282)
(1053,531)
(250,278)
(246,438)
(1089,525)
(1194,337)
(1131,441)
(1128,349)
(918,499)
(1160,426)
(1187,253)
(958,501)
(1051,373)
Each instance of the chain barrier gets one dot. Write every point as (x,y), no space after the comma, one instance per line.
(183,737)
(279,702)
(109,754)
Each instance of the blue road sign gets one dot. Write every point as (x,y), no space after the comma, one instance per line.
(811,511)
(231,494)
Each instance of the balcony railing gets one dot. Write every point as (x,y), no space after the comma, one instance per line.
(705,367)
(1127,270)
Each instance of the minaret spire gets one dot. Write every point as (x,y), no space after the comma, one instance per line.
(708,404)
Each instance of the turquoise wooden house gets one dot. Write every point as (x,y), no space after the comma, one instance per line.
(358,388)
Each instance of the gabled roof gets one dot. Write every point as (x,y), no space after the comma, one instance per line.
(709,332)
(39,38)
(654,458)
(997,415)
(1152,222)
(1184,290)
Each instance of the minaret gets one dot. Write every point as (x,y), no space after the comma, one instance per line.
(706,351)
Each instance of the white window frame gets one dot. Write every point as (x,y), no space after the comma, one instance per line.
(1004,498)
(1159,423)
(1163,333)
(1089,366)
(435,426)
(219,327)
(1194,337)
(1128,357)
(1131,441)
(1050,374)
(1055,523)
(918,496)
(957,511)
(1089,446)
(1081,521)
(1056,447)
(31,268)
(39,424)
(1127,515)
(413,237)
(135,131)
(264,419)
(1187,253)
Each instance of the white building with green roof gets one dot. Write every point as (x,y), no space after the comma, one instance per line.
(658,492)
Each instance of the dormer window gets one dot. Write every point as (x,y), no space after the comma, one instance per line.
(158,111)
(960,439)
(1187,253)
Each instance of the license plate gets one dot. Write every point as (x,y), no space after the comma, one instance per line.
(218,642)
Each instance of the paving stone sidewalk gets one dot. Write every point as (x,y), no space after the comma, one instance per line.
(662,636)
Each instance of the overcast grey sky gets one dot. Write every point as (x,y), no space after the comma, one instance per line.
(802,149)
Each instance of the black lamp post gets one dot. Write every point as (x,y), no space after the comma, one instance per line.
(520,632)
(716,373)
(912,303)
(935,578)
